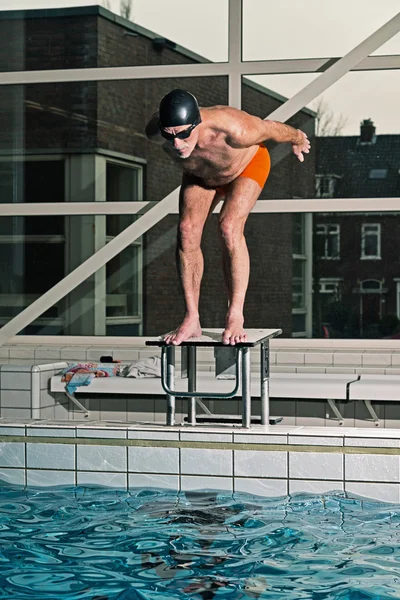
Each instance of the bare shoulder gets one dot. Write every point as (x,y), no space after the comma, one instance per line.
(224,118)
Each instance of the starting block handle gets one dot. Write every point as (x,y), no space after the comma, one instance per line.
(166,381)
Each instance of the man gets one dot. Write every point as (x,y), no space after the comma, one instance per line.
(221,152)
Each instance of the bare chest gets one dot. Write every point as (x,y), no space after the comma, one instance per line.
(215,164)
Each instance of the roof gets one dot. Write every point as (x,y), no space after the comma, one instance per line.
(365,170)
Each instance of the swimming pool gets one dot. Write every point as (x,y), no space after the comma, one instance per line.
(108,544)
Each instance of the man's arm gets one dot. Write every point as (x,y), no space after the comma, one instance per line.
(244,130)
(152,129)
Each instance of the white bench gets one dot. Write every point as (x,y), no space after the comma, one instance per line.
(330,387)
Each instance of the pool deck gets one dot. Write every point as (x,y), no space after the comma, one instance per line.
(264,460)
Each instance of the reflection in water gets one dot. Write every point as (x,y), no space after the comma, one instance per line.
(102,544)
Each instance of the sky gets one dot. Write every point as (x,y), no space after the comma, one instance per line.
(273,30)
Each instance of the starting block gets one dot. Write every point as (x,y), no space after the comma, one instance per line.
(240,353)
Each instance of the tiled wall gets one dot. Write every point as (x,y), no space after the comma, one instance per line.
(277,463)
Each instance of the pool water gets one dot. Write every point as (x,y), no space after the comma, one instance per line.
(102,544)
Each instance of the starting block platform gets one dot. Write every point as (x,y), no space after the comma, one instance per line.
(236,357)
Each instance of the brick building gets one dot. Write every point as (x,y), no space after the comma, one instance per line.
(357,257)
(84,141)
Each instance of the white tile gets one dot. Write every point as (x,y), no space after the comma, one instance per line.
(12,454)
(283,369)
(60,432)
(370,371)
(338,369)
(49,478)
(153,460)
(261,487)
(112,480)
(146,480)
(385,492)
(50,354)
(311,369)
(249,463)
(15,381)
(21,414)
(105,433)
(9,430)
(93,353)
(206,437)
(22,353)
(198,461)
(347,359)
(15,398)
(396,359)
(376,360)
(370,467)
(101,458)
(12,476)
(152,435)
(315,465)
(317,440)
(290,358)
(372,442)
(315,487)
(126,355)
(73,354)
(248,438)
(206,483)
(318,358)
(47,456)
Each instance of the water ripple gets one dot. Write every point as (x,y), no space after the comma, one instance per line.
(101,544)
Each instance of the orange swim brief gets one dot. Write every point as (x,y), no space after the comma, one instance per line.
(258,169)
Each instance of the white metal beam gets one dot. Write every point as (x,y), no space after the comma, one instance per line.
(74,208)
(261,67)
(235,54)
(336,71)
(302,205)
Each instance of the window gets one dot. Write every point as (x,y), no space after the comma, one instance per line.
(326,186)
(378,173)
(328,241)
(124,271)
(330,285)
(370,241)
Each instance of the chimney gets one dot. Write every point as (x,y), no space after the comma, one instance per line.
(367,132)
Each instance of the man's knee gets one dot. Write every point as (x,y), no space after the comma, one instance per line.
(189,235)
(231,230)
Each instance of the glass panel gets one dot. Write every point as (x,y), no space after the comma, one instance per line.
(85,35)
(311,28)
(75,142)
(37,252)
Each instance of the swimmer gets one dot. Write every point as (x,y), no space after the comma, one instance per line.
(221,152)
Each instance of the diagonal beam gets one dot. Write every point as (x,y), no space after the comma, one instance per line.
(89,266)
(336,71)
(284,112)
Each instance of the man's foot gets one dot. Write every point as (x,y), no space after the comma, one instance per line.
(234,332)
(188,329)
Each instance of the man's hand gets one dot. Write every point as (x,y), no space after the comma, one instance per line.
(301,146)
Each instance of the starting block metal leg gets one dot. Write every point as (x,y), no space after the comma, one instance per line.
(170,377)
(244,356)
(192,365)
(264,372)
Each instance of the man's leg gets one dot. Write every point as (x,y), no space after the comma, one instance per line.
(240,199)
(195,205)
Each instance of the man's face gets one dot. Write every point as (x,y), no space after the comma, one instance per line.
(183,147)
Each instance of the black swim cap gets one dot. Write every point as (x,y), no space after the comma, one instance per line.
(179,107)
